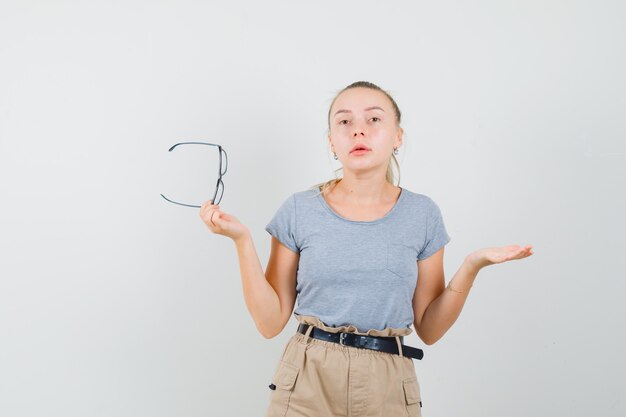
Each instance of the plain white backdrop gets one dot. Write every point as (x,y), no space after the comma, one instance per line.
(114,302)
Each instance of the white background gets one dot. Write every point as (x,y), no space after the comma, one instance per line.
(114,302)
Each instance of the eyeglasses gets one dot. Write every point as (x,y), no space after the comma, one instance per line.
(219,186)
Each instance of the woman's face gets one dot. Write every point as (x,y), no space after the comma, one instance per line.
(363,117)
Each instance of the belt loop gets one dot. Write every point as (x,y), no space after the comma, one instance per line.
(307,335)
(399,346)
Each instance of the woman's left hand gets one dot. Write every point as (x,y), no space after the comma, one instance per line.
(490,256)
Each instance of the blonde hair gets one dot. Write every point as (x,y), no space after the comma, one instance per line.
(390,177)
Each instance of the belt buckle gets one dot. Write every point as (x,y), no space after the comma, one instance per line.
(342,337)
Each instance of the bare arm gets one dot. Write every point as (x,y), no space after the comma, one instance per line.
(269,296)
(437,308)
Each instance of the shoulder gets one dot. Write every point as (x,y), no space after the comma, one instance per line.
(298,199)
(304,197)
(418,200)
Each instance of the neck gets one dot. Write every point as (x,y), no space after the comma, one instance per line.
(364,191)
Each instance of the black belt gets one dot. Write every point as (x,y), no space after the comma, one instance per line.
(383,344)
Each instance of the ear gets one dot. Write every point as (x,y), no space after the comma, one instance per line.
(399,137)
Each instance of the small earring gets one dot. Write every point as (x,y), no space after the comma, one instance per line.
(395,151)
(335,156)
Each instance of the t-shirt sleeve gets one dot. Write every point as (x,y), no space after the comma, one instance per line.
(283,224)
(436,234)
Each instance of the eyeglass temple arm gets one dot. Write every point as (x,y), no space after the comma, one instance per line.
(221,173)
(194,143)
(180,204)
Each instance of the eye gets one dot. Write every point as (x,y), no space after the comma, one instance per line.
(375,119)
(343,122)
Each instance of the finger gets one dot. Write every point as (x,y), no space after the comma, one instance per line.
(212,216)
(204,206)
(207,207)
(207,216)
(207,203)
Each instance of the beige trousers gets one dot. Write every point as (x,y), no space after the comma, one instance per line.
(316,378)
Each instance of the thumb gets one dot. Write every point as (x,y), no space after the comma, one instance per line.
(215,218)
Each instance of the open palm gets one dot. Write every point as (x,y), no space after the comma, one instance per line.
(496,255)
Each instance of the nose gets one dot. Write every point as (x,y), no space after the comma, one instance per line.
(358,131)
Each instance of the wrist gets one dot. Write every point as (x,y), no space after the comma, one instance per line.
(474,262)
(463,280)
(243,238)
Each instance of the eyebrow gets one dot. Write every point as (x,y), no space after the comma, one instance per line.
(366,109)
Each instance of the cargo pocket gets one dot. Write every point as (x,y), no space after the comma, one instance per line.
(412,397)
(284,381)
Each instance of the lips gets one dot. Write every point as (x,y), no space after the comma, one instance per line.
(361,147)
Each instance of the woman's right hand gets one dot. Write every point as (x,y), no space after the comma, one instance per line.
(221,223)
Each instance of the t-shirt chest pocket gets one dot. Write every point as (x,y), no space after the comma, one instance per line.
(402,260)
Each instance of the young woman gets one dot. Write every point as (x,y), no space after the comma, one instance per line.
(365,259)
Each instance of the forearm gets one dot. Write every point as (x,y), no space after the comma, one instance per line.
(261,299)
(445,309)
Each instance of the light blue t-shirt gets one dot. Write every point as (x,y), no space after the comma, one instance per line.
(360,273)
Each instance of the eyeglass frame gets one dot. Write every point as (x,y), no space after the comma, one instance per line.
(219,179)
